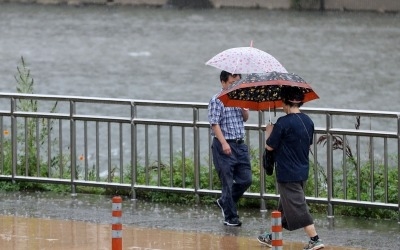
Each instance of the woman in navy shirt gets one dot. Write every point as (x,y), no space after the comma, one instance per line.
(291,137)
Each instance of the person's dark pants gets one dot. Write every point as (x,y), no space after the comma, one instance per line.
(234,172)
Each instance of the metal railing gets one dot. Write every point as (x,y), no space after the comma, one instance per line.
(135,145)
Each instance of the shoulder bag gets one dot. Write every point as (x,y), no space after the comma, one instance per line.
(268,161)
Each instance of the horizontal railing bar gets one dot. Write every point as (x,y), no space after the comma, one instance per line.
(84,99)
(164,122)
(170,104)
(200,191)
(190,123)
(36,179)
(365,203)
(361,132)
(351,112)
(101,118)
(166,189)
(75,117)
(41,115)
(67,98)
(103,184)
(347,112)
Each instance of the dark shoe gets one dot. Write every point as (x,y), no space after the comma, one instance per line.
(314,245)
(265,239)
(219,204)
(235,222)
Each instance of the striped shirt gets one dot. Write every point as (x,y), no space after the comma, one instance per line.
(229,119)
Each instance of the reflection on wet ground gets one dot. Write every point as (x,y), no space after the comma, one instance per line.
(33,233)
(59,221)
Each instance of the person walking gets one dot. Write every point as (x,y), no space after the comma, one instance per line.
(291,137)
(230,153)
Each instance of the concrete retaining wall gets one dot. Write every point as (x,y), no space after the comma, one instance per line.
(268,4)
(364,5)
(352,5)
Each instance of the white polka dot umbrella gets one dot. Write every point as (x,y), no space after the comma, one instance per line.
(246,60)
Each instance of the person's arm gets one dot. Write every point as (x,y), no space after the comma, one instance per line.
(218,134)
(245,113)
(268,131)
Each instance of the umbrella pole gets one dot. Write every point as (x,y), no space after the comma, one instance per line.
(269,111)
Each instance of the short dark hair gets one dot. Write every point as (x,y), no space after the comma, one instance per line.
(292,96)
(225,75)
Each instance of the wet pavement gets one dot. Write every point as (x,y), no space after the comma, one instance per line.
(54,221)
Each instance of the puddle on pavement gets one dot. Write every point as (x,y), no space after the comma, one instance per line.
(33,233)
(59,221)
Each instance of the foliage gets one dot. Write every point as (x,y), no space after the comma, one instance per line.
(368,191)
(33,131)
(354,182)
(32,134)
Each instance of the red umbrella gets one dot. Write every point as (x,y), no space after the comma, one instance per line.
(263,91)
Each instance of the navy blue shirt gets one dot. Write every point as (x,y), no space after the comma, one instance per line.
(291,138)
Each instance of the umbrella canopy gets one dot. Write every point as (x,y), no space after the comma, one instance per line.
(245,60)
(263,91)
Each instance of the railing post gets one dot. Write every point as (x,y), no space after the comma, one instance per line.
(1,145)
(13,139)
(329,164)
(73,146)
(133,150)
(196,148)
(398,168)
(261,145)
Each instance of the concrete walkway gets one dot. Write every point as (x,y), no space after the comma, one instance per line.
(49,221)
